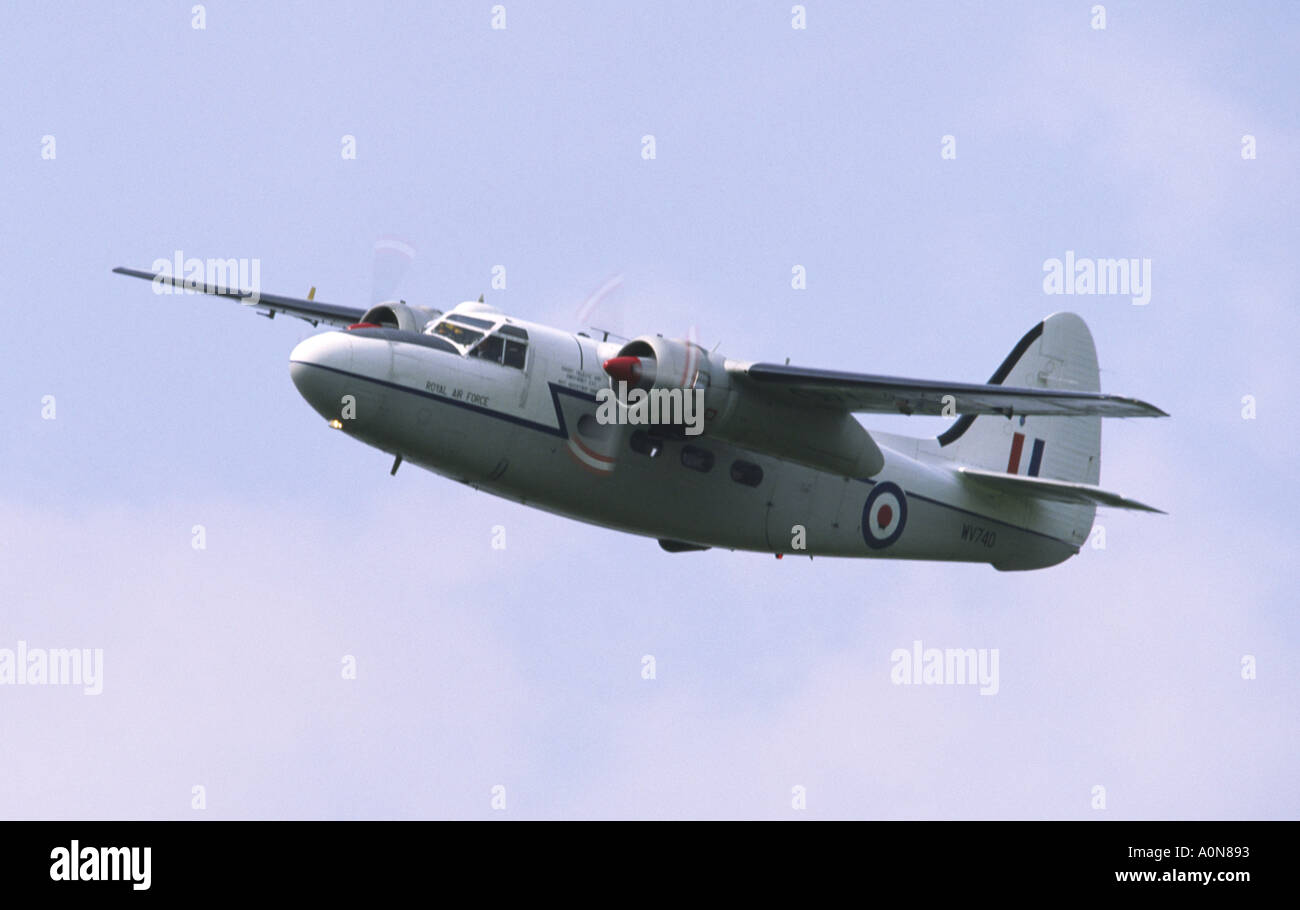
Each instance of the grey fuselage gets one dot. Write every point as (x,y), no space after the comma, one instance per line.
(515,432)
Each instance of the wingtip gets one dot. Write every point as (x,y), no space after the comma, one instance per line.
(1147,408)
(1143,507)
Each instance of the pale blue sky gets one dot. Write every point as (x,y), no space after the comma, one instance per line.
(522,147)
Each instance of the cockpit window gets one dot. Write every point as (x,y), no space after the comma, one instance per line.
(471,321)
(506,345)
(490,349)
(505,351)
(515,354)
(457,333)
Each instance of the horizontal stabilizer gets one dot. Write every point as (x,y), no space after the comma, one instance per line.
(1054,490)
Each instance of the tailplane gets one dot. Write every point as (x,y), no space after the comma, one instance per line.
(1053,490)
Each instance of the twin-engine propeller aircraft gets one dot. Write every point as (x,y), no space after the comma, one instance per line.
(772,462)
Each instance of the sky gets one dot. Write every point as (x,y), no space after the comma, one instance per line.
(508,683)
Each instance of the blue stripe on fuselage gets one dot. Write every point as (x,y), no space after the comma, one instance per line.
(561,430)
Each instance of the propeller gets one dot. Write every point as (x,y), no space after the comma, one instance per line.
(603,302)
(392,260)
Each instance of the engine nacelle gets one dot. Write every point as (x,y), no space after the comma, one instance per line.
(663,363)
(733,411)
(398,315)
(682,369)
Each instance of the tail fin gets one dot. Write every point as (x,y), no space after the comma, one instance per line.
(1058,353)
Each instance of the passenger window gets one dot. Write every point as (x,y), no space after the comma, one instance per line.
(592,428)
(697,459)
(515,352)
(746,472)
(643,443)
(490,349)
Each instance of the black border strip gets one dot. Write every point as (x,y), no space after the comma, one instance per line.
(954,432)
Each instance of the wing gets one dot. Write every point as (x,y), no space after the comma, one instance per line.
(267,304)
(1054,490)
(867,393)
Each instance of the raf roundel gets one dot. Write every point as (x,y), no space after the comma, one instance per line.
(884,515)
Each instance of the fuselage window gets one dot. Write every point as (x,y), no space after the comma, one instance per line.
(697,459)
(643,443)
(746,472)
(592,428)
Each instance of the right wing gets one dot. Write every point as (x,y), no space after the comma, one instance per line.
(863,393)
(267,304)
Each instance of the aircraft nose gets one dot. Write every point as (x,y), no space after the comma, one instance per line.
(315,366)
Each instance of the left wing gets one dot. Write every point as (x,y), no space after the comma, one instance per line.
(267,304)
(863,392)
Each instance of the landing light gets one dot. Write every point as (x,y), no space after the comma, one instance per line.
(336,424)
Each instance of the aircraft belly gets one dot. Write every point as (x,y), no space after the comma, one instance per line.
(652,497)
